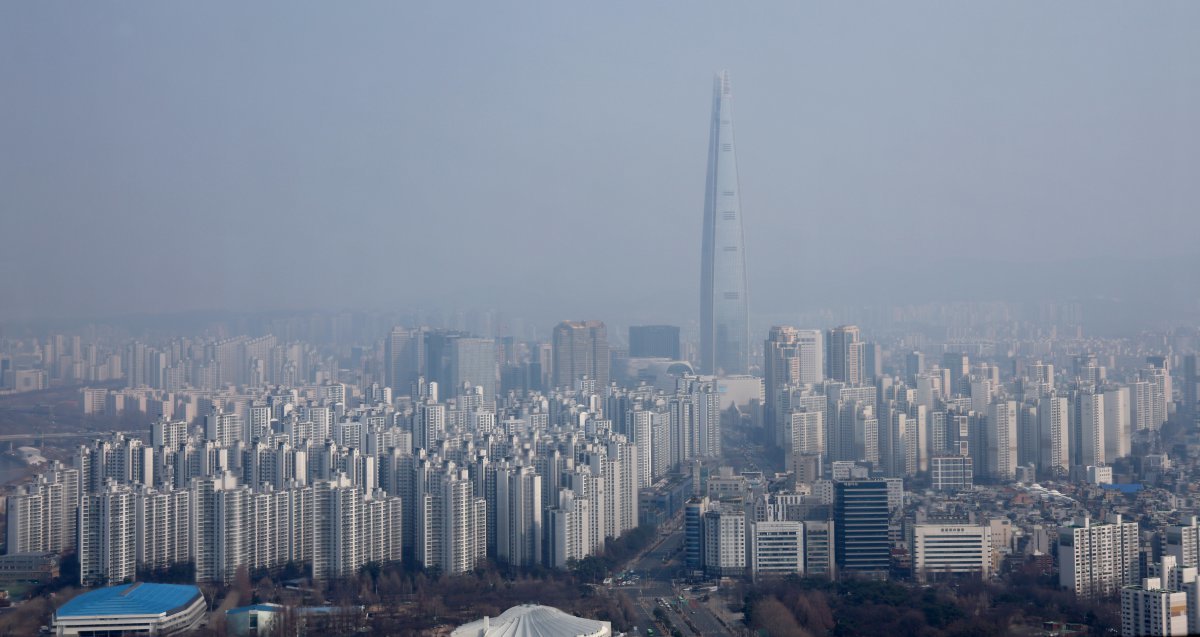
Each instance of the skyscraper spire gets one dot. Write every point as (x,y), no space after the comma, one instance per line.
(724,329)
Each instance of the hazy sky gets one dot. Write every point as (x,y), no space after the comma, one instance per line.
(549,158)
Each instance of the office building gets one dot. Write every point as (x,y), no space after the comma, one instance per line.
(945,550)
(400,358)
(724,314)
(472,363)
(581,351)
(654,341)
(861,516)
(693,537)
(844,354)
(776,548)
(951,473)
(725,541)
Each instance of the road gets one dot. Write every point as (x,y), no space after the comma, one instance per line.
(661,569)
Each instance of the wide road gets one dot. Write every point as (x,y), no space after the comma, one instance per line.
(661,570)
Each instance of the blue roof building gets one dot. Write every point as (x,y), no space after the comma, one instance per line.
(140,608)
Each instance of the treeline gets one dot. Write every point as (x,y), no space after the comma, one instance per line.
(594,568)
(800,607)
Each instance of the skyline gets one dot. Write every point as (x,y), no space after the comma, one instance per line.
(270,174)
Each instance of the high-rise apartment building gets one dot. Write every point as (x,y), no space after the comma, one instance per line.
(1098,559)
(1118,436)
(1182,542)
(1001,439)
(107,536)
(1053,436)
(790,357)
(519,516)
(42,515)
(1089,429)
(1153,609)
(581,350)
(1191,378)
(724,314)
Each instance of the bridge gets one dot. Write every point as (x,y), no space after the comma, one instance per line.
(39,435)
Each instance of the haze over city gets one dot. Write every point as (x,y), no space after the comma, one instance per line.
(688,319)
(548,159)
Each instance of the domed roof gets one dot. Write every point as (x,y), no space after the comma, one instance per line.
(531,620)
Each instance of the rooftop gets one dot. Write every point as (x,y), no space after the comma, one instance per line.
(139,598)
(530,620)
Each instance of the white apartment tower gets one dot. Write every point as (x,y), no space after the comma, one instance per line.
(107,537)
(1053,436)
(1098,559)
(1001,439)
(519,516)
(1152,609)
(1118,437)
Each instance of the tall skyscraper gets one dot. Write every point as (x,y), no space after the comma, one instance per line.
(400,359)
(724,322)
(580,349)
(473,362)
(845,354)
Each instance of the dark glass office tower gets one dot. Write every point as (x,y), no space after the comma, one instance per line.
(860,510)
(654,341)
(724,329)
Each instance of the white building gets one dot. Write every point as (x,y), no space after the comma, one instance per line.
(1098,559)
(1182,542)
(1118,436)
(42,515)
(948,549)
(1001,439)
(776,548)
(1089,411)
(529,620)
(1152,609)
(519,516)
(725,541)
(1054,451)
